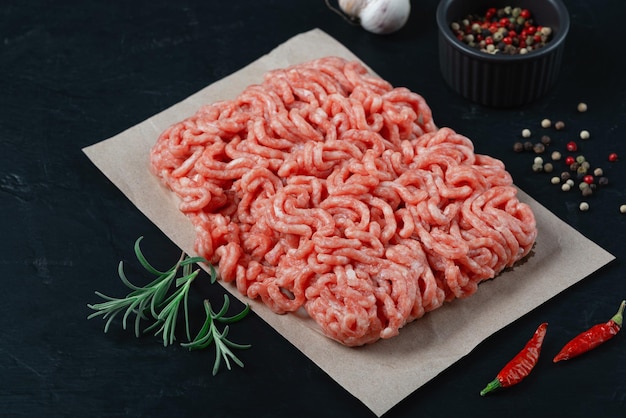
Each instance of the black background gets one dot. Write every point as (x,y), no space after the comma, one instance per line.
(76,72)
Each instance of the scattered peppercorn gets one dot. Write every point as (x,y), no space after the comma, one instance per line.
(569,160)
(518,147)
(566,187)
(546,123)
(539,148)
(556,156)
(555,180)
(613,157)
(622,208)
(598,172)
(582,107)
(526,133)
(584,206)
(588,179)
(560,125)
(584,134)
(545,140)
(565,176)
(571,146)
(548,167)
(586,191)
(528,146)
(603,181)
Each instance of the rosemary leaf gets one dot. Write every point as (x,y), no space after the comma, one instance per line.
(210,334)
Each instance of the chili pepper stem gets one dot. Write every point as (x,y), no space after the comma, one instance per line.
(493,385)
(618,318)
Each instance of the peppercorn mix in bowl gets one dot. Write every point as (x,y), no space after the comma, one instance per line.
(501,53)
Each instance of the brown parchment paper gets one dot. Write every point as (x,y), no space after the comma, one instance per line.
(382,374)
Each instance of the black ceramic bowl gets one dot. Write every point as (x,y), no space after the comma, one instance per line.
(500,80)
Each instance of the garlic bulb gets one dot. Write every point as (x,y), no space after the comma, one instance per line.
(378,16)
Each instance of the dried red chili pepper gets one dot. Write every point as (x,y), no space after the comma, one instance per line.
(593,337)
(521,365)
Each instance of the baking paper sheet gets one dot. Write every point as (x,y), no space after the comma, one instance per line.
(425,347)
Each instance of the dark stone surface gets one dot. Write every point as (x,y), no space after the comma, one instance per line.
(76,72)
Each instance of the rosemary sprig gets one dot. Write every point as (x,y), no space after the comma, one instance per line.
(151,300)
(157,301)
(209,334)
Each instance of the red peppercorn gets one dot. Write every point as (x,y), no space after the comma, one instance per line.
(571,146)
(525,13)
(505,22)
(613,157)
(569,160)
(588,179)
(507,40)
(531,30)
(489,40)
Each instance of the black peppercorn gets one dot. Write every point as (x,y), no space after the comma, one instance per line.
(539,148)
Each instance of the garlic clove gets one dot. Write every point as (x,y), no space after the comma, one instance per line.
(383,16)
(352,7)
